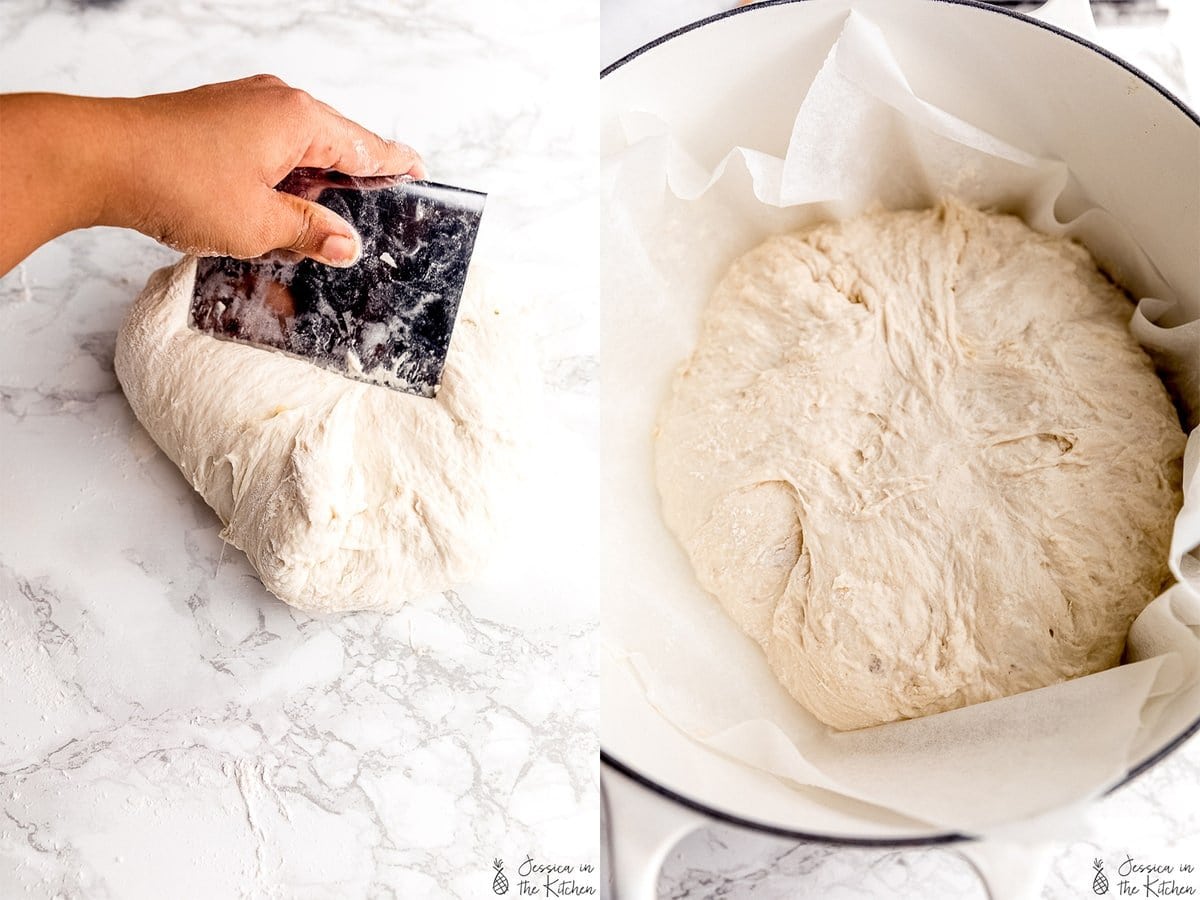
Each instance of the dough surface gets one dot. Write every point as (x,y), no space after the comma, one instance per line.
(343,495)
(920,460)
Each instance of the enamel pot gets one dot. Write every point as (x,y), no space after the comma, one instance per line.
(1132,146)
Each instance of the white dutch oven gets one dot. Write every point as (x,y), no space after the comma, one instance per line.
(1134,148)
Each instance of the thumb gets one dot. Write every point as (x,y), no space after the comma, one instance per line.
(311,230)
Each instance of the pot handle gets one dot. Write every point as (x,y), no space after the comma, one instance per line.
(1009,871)
(638,830)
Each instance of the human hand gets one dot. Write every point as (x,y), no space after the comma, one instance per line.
(195,169)
(203,165)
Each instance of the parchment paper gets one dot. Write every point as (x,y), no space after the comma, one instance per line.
(1021,765)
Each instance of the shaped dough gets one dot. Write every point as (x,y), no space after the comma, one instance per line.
(343,495)
(920,460)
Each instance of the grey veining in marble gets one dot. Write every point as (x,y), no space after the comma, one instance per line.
(169,729)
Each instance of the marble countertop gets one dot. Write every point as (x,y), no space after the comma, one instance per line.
(1154,819)
(169,729)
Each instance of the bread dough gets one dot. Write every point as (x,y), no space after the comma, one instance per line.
(920,460)
(343,495)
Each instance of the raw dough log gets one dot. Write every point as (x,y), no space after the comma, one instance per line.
(920,460)
(343,495)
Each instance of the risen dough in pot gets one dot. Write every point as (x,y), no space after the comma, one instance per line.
(343,495)
(920,460)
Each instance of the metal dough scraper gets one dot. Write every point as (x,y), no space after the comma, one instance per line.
(385,320)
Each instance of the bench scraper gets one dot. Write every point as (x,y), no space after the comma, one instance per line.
(385,320)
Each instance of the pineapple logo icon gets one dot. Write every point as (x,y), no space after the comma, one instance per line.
(1100,882)
(500,882)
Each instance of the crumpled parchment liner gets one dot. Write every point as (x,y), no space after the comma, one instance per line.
(862,140)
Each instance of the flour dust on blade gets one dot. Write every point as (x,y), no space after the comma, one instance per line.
(385,320)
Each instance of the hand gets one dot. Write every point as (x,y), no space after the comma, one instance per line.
(195,170)
(203,165)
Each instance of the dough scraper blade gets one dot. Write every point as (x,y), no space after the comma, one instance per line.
(385,320)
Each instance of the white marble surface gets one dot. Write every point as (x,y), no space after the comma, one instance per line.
(1156,818)
(169,729)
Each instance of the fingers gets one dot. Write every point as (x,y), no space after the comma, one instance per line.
(291,223)
(349,148)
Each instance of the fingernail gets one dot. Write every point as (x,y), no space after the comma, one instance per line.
(339,250)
